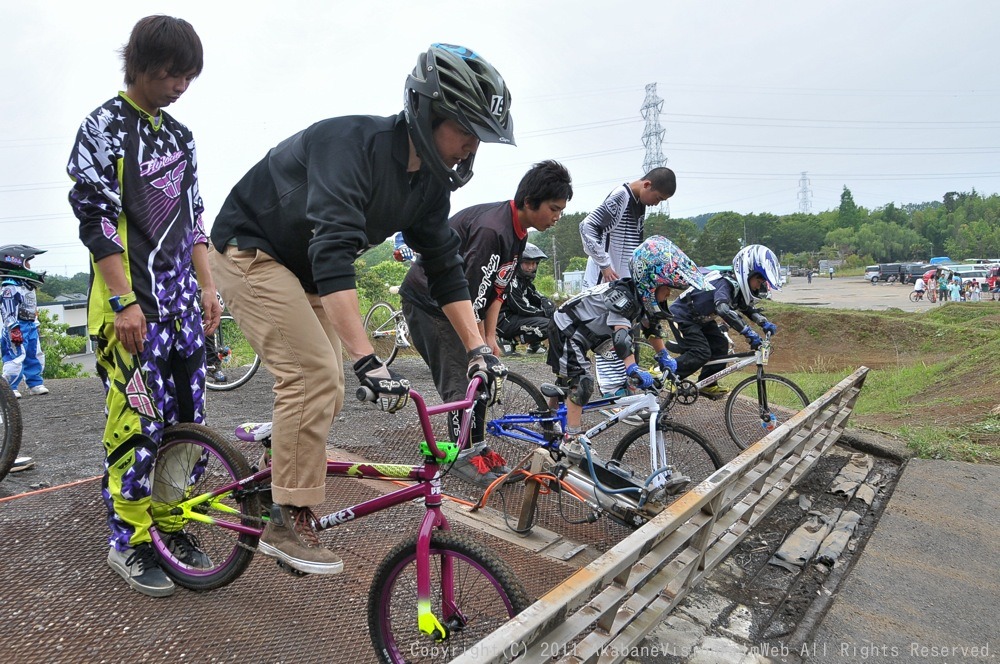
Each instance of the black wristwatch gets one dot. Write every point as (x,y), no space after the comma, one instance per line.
(119,302)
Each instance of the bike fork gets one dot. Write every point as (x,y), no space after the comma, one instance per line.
(427,622)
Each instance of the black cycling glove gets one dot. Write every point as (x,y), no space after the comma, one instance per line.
(391,389)
(482,360)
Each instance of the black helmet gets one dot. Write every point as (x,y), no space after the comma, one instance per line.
(532,253)
(455,83)
(17,256)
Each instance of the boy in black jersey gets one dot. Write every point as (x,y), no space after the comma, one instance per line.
(493,236)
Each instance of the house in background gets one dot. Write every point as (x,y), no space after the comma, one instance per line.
(71,309)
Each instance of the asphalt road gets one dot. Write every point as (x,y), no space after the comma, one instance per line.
(850,293)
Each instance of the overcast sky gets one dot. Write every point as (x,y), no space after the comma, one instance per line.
(897,100)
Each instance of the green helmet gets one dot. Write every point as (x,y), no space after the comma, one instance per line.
(455,83)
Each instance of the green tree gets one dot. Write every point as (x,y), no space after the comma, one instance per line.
(57,345)
(719,240)
(849,215)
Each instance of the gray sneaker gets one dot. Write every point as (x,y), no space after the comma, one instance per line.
(185,548)
(140,569)
(290,536)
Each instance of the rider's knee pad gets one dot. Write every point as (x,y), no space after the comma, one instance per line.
(580,393)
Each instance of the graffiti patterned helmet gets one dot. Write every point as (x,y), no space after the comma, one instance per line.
(455,83)
(756,259)
(660,262)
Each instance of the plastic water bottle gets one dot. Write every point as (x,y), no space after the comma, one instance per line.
(770,423)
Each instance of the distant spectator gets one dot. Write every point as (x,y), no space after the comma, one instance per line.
(975,291)
(831,273)
(955,290)
(942,285)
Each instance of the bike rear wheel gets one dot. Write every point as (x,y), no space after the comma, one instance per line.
(687,451)
(486,592)
(381,327)
(10,434)
(745,413)
(193,460)
(236,359)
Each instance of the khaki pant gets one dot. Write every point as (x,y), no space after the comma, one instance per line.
(296,342)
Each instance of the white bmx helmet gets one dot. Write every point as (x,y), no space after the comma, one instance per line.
(756,259)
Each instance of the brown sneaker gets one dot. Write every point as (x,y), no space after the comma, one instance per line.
(290,536)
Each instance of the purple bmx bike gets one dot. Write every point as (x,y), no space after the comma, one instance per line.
(435,588)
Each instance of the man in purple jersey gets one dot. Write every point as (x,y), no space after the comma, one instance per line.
(136,196)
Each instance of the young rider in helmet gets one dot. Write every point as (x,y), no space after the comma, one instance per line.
(23,358)
(286,239)
(601,319)
(755,269)
(525,313)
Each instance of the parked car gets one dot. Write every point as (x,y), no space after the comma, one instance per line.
(871,273)
(913,270)
(887,272)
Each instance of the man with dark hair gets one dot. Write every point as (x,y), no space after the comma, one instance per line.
(493,236)
(610,234)
(286,240)
(136,195)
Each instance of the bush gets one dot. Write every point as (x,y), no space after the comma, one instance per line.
(56,345)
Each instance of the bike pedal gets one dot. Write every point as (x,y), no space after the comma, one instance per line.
(288,569)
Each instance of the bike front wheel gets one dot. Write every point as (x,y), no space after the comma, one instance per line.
(485,594)
(10,433)
(235,360)
(193,461)
(754,401)
(381,328)
(688,453)
(518,396)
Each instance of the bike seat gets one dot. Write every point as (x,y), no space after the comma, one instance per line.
(253,432)
(553,390)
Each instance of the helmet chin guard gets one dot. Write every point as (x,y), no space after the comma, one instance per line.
(455,83)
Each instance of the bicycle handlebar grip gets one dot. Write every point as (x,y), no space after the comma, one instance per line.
(364,394)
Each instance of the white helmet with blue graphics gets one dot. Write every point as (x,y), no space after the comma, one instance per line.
(756,259)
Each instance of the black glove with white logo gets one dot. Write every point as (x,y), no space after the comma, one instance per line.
(391,390)
(483,361)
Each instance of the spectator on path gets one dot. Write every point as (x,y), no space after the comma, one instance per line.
(135,193)
(976,291)
(955,290)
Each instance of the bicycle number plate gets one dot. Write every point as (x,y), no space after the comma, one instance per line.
(765,352)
